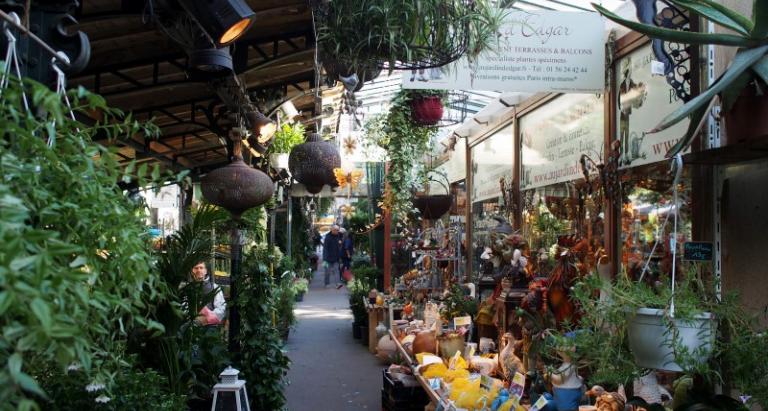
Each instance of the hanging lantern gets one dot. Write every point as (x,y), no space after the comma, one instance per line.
(312,163)
(237,187)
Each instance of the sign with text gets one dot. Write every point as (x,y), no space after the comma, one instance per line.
(538,51)
(492,160)
(698,251)
(555,135)
(644,98)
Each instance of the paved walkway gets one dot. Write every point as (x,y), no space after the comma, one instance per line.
(330,371)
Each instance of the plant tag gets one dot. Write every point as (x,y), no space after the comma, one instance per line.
(657,68)
(517,386)
(539,404)
(465,321)
(454,360)
(486,382)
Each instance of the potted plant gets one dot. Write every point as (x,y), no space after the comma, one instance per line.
(358,291)
(406,144)
(403,33)
(300,287)
(433,206)
(738,87)
(286,138)
(427,106)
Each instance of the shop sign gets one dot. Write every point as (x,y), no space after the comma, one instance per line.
(455,169)
(538,51)
(555,135)
(644,98)
(492,160)
(697,251)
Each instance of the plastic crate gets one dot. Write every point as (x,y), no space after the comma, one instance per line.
(390,404)
(398,392)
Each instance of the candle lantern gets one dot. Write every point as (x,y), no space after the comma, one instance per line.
(230,394)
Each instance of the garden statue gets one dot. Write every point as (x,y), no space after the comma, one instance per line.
(509,362)
(648,388)
(567,386)
(607,401)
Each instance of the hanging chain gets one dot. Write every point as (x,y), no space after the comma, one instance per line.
(12,61)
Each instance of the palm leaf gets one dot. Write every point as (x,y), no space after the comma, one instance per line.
(742,62)
(761,69)
(677,36)
(718,14)
(760,18)
(697,120)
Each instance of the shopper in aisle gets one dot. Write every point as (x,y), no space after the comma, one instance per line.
(332,253)
(347,250)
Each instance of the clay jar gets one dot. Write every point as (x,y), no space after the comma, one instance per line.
(425,342)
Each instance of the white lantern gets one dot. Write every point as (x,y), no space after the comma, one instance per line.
(230,394)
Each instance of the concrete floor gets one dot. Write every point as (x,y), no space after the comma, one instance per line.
(330,371)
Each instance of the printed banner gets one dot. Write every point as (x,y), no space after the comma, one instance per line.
(491,160)
(644,98)
(538,51)
(555,135)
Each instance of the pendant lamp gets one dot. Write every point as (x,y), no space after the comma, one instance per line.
(312,162)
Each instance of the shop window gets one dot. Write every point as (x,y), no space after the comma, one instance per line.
(647,204)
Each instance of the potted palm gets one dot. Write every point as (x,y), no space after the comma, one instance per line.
(739,87)
(286,138)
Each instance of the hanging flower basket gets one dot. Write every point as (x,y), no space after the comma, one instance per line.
(427,110)
(433,207)
(652,343)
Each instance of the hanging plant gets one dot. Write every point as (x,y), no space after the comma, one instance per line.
(405,34)
(427,106)
(406,144)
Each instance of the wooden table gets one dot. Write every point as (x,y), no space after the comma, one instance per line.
(434,397)
(374,314)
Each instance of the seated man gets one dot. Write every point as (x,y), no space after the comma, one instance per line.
(213,312)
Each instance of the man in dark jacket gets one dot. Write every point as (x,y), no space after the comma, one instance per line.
(332,253)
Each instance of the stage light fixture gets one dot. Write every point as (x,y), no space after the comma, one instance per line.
(224,21)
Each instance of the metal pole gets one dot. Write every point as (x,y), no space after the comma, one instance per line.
(236,247)
(288,249)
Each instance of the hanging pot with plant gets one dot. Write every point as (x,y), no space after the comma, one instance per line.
(286,138)
(427,110)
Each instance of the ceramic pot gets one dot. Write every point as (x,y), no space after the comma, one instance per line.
(299,297)
(386,349)
(356,331)
(279,161)
(427,111)
(567,399)
(381,330)
(448,344)
(651,345)
(425,341)
(364,335)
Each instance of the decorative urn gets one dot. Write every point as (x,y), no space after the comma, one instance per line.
(312,162)
(237,186)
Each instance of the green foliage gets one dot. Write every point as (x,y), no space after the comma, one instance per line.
(358,290)
(749,67)
(285,302)
(133,390)
(364,34)
(286,138)
(300,285)
(458,304)
(262,361)
(406,144)
(73,248)
(190,356)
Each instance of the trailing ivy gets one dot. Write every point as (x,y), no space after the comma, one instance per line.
(406,144)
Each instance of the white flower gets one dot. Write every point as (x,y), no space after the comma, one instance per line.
(73,367)
(103,399)
(94,386)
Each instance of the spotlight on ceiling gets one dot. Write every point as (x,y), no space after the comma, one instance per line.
(262,126)
(224,21)
(207,63)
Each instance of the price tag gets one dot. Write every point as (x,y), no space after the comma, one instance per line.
(434,383)
(486,382)
(465,321)
(657,68)
(517,386)
(539,404)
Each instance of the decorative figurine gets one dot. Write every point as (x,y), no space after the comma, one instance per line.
(509,362)
(607,401)
(567,386)
(648,388)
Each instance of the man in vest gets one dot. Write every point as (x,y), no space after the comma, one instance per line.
(213,312)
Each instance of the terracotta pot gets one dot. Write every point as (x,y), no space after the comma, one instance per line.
(427,111)
(748,118)
(432,207)
(425,341)
(448,344)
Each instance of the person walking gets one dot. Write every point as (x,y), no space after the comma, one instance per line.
(347,251)
(332,253)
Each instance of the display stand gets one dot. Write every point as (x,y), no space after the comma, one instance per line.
(375,315)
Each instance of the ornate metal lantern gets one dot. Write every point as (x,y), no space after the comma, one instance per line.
(237,187)
(312,163)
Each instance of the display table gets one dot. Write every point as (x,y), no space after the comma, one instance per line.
(434,397)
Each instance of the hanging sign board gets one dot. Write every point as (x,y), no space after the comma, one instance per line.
(697,251)
(644,97)
(538,51)
(492,160)
(555,135)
